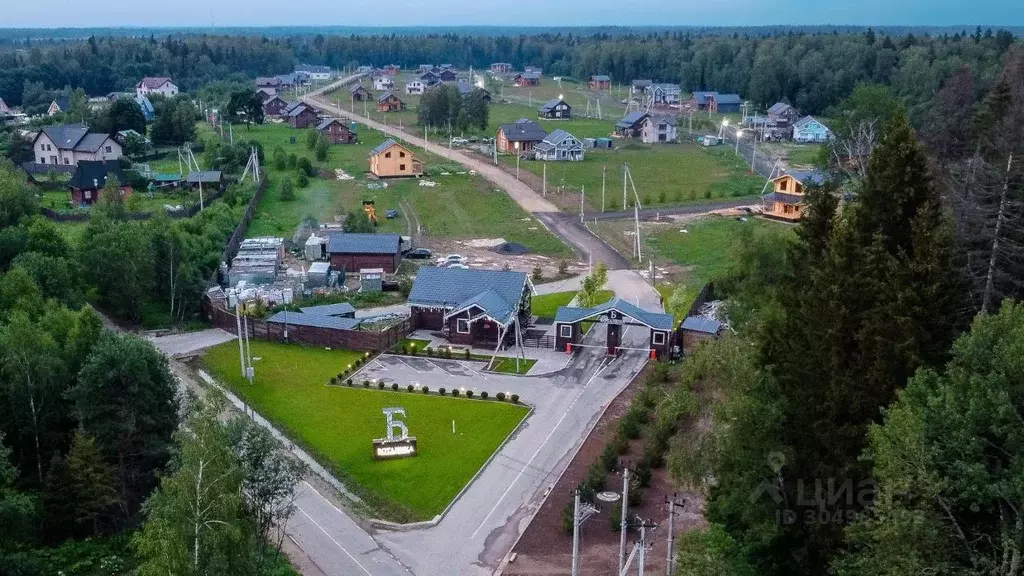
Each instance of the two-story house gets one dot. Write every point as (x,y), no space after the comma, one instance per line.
(392,160)
(665,94)
(555,109)
(786,202)
(336,131)
(383,83)
(782,114)
(519,137)
(156,85)
(655,129)
(807,129)
(69,144)
(559,145)
(630,126)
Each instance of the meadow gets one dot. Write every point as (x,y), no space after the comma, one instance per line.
(338,424)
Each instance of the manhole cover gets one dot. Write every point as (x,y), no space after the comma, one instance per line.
(608,496)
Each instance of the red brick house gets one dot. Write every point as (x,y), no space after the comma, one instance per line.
(353,252)
(470,307)
(600,82)
(525,79)
(302,116)
(336,131)
(388,102)
(392,69)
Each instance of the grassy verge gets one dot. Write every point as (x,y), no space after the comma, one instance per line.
(508,366)
(338,424)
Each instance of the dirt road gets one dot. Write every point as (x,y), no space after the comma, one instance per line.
(585,244)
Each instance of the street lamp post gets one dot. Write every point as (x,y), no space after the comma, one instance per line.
(739,134)
(517,160)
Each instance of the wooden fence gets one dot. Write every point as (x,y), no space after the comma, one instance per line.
(706,294)
(243,225)
(83,215)
(361,340)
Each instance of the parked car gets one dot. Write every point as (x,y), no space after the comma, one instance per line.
(452,259)
(458,265)
(419,254)
(459,141)
(392,213)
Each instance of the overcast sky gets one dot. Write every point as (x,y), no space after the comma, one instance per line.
(82,13)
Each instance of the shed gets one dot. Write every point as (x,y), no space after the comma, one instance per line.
(696,329)
(315,248)
(371,279)
(350,252)
(318,274)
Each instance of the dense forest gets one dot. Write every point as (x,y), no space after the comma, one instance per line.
(812,70)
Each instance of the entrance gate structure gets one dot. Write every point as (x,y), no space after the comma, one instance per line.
(615,314)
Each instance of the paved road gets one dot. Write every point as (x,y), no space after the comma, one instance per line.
(189,342)
(568,228)
(485,521)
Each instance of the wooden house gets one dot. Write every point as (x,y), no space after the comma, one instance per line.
(559,146)
(336,131)
(91,176)
(533,70)
(638,87)
(600,82)
(447,75)
(630,126)
(465,89)
(655,129)
(358,93)
(392,160)
(58,105)
(665,94)
(268,84)
(782,114)
(555,109)
(302,116)
(392,69)
(388,102)
(526,79)
(519,137)
(786,201)
(274,106)
(470,306)
(716,102)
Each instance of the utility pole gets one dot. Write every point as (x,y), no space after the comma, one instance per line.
(583,195)
(624,172)
(544,184)
(624,523)
(580,513)
(604,169)
(669,559)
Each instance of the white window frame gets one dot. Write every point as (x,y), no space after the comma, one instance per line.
(656,336)
(459,323)
(562,330)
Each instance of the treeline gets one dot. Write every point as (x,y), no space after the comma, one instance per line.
(811,70)
(869,421)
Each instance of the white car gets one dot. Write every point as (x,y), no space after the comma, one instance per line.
(452,259)
(459,141)
(458,265)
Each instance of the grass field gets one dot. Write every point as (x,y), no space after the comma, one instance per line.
(339,423)
(508,366)
(460,206)
(546,305)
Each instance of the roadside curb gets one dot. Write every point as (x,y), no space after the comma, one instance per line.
(547,492)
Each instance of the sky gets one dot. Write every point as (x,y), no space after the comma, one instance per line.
(102,13)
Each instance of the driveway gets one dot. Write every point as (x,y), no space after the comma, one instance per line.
(482,525)
(190,342)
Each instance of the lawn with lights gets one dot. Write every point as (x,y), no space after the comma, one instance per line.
(338,424)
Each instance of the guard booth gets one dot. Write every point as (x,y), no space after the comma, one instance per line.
(616,314)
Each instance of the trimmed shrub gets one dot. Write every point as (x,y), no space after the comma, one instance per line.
(429,351)
(629,425)
(610,457)
(483,395)
(514,398)
(596,475)
(620,444)
(455,391)
(366,383)
(405,349)
(348,382)
(334,380)
(440,391)
(643,473)
(468,354)
(410,388)
(568,514)
(426,389)
(380,385)
(662,197)
(469,393)
(412,351)
(615,518)
(394,386)
(500,396)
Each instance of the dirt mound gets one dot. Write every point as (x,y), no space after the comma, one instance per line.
(511,249)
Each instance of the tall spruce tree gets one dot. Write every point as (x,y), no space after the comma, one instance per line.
(871,296)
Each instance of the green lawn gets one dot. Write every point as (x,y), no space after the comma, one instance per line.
(460,206)
(339,423)
(804,155)
(508,366)
(546,305)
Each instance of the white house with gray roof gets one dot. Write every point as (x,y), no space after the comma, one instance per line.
(68,144)
(655,129)
(559,145)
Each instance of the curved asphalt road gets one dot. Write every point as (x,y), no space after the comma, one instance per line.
(584,243)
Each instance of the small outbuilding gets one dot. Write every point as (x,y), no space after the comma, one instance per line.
(615,314)
(696,329)
(351,252)
(91,176)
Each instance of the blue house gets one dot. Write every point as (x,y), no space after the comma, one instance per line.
(807,129)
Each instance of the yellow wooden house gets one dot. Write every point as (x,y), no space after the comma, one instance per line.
(392,160)
(786,201)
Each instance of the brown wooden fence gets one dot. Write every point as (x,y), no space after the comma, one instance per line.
(706,294)
(361,340)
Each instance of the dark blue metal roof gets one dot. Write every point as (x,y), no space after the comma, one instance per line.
(341,309)
(455,287)
(654,320)
(702,324)
(352,243)
(314,320)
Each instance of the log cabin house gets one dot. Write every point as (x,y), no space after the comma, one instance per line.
(388,102)
(392,160)
(786,201)
(336,131)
